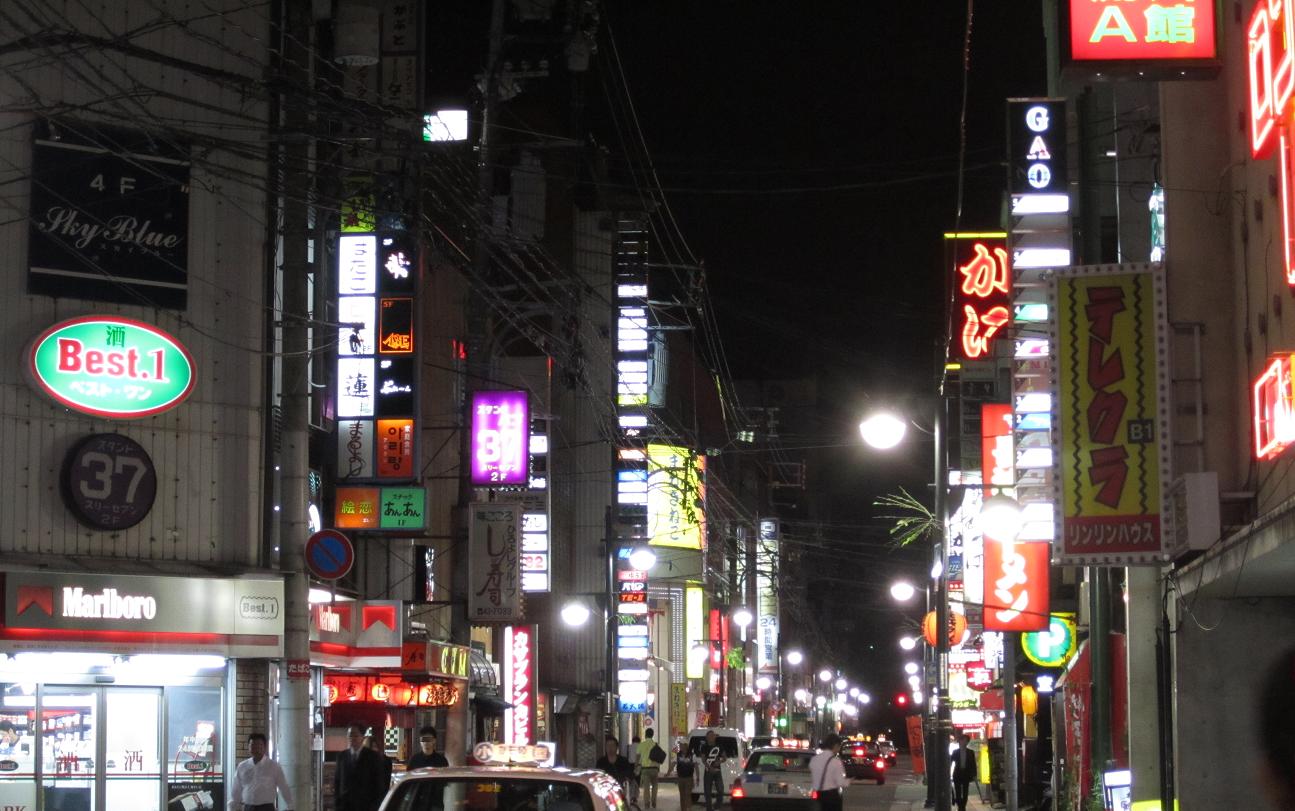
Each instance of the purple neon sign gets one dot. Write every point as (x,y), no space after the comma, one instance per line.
(500,427)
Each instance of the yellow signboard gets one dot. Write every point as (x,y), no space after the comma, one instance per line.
(1111,407)
(674,499)
(678,710)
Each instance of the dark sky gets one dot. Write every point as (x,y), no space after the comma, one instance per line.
(809,153)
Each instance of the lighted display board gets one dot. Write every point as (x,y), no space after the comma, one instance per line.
(675,514)
(500,434)
(997,455)
(1036,130)
(1143,31)
(633,639)
(519,683)
(379,508)
(109,366)
(1274,408)
(1016,586)
(1112,461)
(1052,647)
(982,306)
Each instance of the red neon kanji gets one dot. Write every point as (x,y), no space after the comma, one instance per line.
(985,273)
(978,329)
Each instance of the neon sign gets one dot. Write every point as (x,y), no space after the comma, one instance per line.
(997,454)
(1055,646)
(500,428)
(983,293)
(1271,61)
(1142,30)
(1274,408)
(519,673)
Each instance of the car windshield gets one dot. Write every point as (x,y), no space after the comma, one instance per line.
(779,762)
(727,746)
(491,793)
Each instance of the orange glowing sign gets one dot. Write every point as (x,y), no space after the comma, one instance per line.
(982,293)
(1016,586)
(389,691)
(1274,408)
(1142,30)
(1270,40)
(356,508)
(396,449)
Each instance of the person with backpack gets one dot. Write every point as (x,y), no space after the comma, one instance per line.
(685,766)
(650,758)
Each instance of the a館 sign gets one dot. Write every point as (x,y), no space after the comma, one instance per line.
(108,604)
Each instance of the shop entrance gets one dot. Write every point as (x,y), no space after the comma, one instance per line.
(99,748)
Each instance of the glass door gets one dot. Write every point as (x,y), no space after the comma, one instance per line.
(67,726)
(132,769)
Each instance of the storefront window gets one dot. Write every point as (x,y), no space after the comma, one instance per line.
(17,746)
(193,773)
(133,764)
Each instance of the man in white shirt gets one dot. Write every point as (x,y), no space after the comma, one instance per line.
(257,779)
(827,774)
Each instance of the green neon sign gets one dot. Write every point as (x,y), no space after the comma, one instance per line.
(108,366)
(1055,646)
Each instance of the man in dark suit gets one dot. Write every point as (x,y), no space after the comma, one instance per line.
(964,771)
(356,779)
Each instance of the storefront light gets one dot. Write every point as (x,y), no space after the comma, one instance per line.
(318,595)
(170,664)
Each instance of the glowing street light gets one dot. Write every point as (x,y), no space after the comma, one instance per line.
(825,675)
(854,692)
(910,668)
(763,683)
(574,614)
(820,701)
(883,430)
(742,618)
(801,694)
(902,591)
(1000,518)
(841,683)
(795,657)
(864,698)
(907,642)
(642,558)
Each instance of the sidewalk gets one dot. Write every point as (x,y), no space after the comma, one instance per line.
(912,797)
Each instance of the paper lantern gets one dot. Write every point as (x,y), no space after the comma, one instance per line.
(1029,700)
(957,627)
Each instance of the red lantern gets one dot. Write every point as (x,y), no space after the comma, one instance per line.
(957,627)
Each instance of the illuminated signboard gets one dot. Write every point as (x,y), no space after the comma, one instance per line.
(982,293)
(519,683)
(694,603)
(1052,647)
(396,448)
(633,642)
(396,326)
(1177,31)
(1271,48)
(357,264)
(675,516)
(340,689)
(1111,462)
(1036,146)
(535,551)
(997,456)
(109,366)
(379,508)
(766,590)
(1274,408)
(500,432)
(1016,586)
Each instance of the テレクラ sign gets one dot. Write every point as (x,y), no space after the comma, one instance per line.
(109,366)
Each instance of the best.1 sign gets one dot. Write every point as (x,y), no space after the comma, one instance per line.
(108,366)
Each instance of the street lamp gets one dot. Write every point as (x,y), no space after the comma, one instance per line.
(841,683)
(642,558)
(911,668)
(883,430)
(763,683)
(575,614)
(902,591)
(742,618)
(795,657)
(854,692)
(825,675)
(907,642)
(801,695)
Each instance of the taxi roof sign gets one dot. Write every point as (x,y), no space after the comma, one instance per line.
(541,753)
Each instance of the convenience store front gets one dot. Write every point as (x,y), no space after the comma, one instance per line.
(117,691)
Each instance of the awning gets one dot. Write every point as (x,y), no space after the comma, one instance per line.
(482,672)
(490,704)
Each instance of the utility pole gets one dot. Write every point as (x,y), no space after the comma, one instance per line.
(939,759)
(294,722)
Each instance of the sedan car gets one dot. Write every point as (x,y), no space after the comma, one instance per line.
(863,761)
(514,781)
(889,752)
(774,778)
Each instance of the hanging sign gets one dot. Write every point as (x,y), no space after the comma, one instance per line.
(1274,408)
(110,366)
(500,430)
(1036,131)
(1055,646)
(519,683)
(109,481)
(982,293)
(1144,31)
(494,563)
(1016,586)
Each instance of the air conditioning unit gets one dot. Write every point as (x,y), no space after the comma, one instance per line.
(1194,500)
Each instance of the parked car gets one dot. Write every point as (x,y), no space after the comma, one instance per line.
(513,778)
(774,778)
(863,761)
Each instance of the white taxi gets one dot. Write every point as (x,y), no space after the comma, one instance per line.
(513,778)
(775,777)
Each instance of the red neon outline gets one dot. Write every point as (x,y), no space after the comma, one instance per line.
(29,366)
(352,651)
(1267,444)
(1288,229)
(141,637)
(1262,37)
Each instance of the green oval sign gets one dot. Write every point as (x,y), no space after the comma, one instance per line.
(1053,647)
(108,366)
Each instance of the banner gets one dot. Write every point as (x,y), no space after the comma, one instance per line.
(916,743)
(1111,467)
(1016,586)
(675,516)
(494,563)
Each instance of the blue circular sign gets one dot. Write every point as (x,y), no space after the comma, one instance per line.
(329,554)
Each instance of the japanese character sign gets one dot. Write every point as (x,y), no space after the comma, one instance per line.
(982,294)
(1141,30)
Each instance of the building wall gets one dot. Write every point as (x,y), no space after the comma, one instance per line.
(207,452)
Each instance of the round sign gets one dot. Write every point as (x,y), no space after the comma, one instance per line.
(329,554)
(108,481)
(109,366)
(1053,647)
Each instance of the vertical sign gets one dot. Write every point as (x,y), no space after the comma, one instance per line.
(494,579)
(1016,586)
(997,456)
(633,636)
(694,603)
(1274,408)
(1110,383)
(500,434)
(675,516)
(766,585)
(1036,133)
(982,297)
(519,683)
(1271,48)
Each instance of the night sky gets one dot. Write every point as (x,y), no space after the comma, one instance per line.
(809,153)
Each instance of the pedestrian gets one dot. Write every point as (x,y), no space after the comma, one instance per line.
(356,777)
(685,766)
(258,780)
(1276,734)
(426,756)
(378,744)
(827,774)
(616,764)
(712,758)
(649,767)
(634,773)
(964,771)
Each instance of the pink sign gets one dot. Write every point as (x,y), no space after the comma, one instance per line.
(519,678)
(500,431)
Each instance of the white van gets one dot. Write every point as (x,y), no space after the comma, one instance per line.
(732,745)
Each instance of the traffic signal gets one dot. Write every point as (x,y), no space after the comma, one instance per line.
(782,722)
(901,700)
